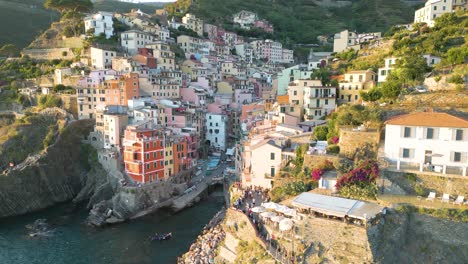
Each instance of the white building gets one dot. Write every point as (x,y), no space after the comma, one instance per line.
(114,125)
(386,70)
(318,60)
(288,56)
(432,60)
(426,139)
(431,10)
(245,19)
(133,39)
(101,22)
(216,125)
(102,59)
(268,49)
(344,40)
(319,101)
(245,51)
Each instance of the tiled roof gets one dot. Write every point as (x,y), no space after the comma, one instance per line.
(429,119)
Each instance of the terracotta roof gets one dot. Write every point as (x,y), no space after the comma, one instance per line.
(429,119)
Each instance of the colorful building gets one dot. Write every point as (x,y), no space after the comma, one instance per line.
(122,89)
(144,152)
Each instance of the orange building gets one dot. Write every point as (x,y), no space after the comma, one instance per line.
(180,150)
(122,89)
(143,147)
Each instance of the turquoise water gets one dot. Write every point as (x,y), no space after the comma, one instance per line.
(73,242)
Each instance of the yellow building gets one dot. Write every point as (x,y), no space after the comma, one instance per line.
(168,158)
(353,83)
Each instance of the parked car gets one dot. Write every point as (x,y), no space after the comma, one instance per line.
(420,89)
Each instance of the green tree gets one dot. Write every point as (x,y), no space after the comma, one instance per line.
(69,5)
(392,87)
(320,132)
(322,74)
(457,55)
(372,95)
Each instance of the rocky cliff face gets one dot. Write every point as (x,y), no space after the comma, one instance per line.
(56,175)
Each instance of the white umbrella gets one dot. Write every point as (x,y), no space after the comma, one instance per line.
(285,224)
(267,214)
(281,208)
(290,212)
(277,218)
(258,209)
(270,205)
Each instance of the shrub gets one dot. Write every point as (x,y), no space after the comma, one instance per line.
(360,192)
(420,190)
(411,177)
(457,79)
(333,149)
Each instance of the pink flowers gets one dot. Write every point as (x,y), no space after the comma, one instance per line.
(317,173)
(335,140)
(366,172)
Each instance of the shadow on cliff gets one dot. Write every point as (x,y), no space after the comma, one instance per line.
(410,237)
(58,175)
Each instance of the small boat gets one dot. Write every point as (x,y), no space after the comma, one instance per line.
(161,237)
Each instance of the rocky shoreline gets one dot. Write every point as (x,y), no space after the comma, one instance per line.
(204,249)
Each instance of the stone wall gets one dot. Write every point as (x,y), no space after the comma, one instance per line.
(70,103)
(312,160)
(49,54)
(351,140)
(439,184)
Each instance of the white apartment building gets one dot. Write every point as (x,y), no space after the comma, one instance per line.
(438,140)
(216,134)
(132,40)
(386,70)
(344,40)
(190,21)
(288,56)
(101,22)
(432,10)
(318,60)
(268,49)
(319,101)
(114,125)
(102,59)
(191,45)
(245,51)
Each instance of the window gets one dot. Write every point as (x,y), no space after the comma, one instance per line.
(457,157)
(407,132)
(459,135)
(435,8)
(430,133)
(154,154)
(295,92)
(272,172)
(147,155)
(382,72)
(406,153)
(272,156)
(292,109)
(326,101)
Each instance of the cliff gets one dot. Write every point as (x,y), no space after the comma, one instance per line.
(56,175)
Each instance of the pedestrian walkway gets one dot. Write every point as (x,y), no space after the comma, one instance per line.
(252,197)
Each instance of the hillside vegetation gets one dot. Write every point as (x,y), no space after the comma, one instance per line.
(301,21)
(22,20)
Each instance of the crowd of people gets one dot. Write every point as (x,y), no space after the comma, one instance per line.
(203,251)
(250,198)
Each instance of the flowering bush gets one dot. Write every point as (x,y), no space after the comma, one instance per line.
(321,168)
(363,174)
(317,173)
(335,140)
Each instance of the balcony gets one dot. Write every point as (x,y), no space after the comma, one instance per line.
(321,96)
